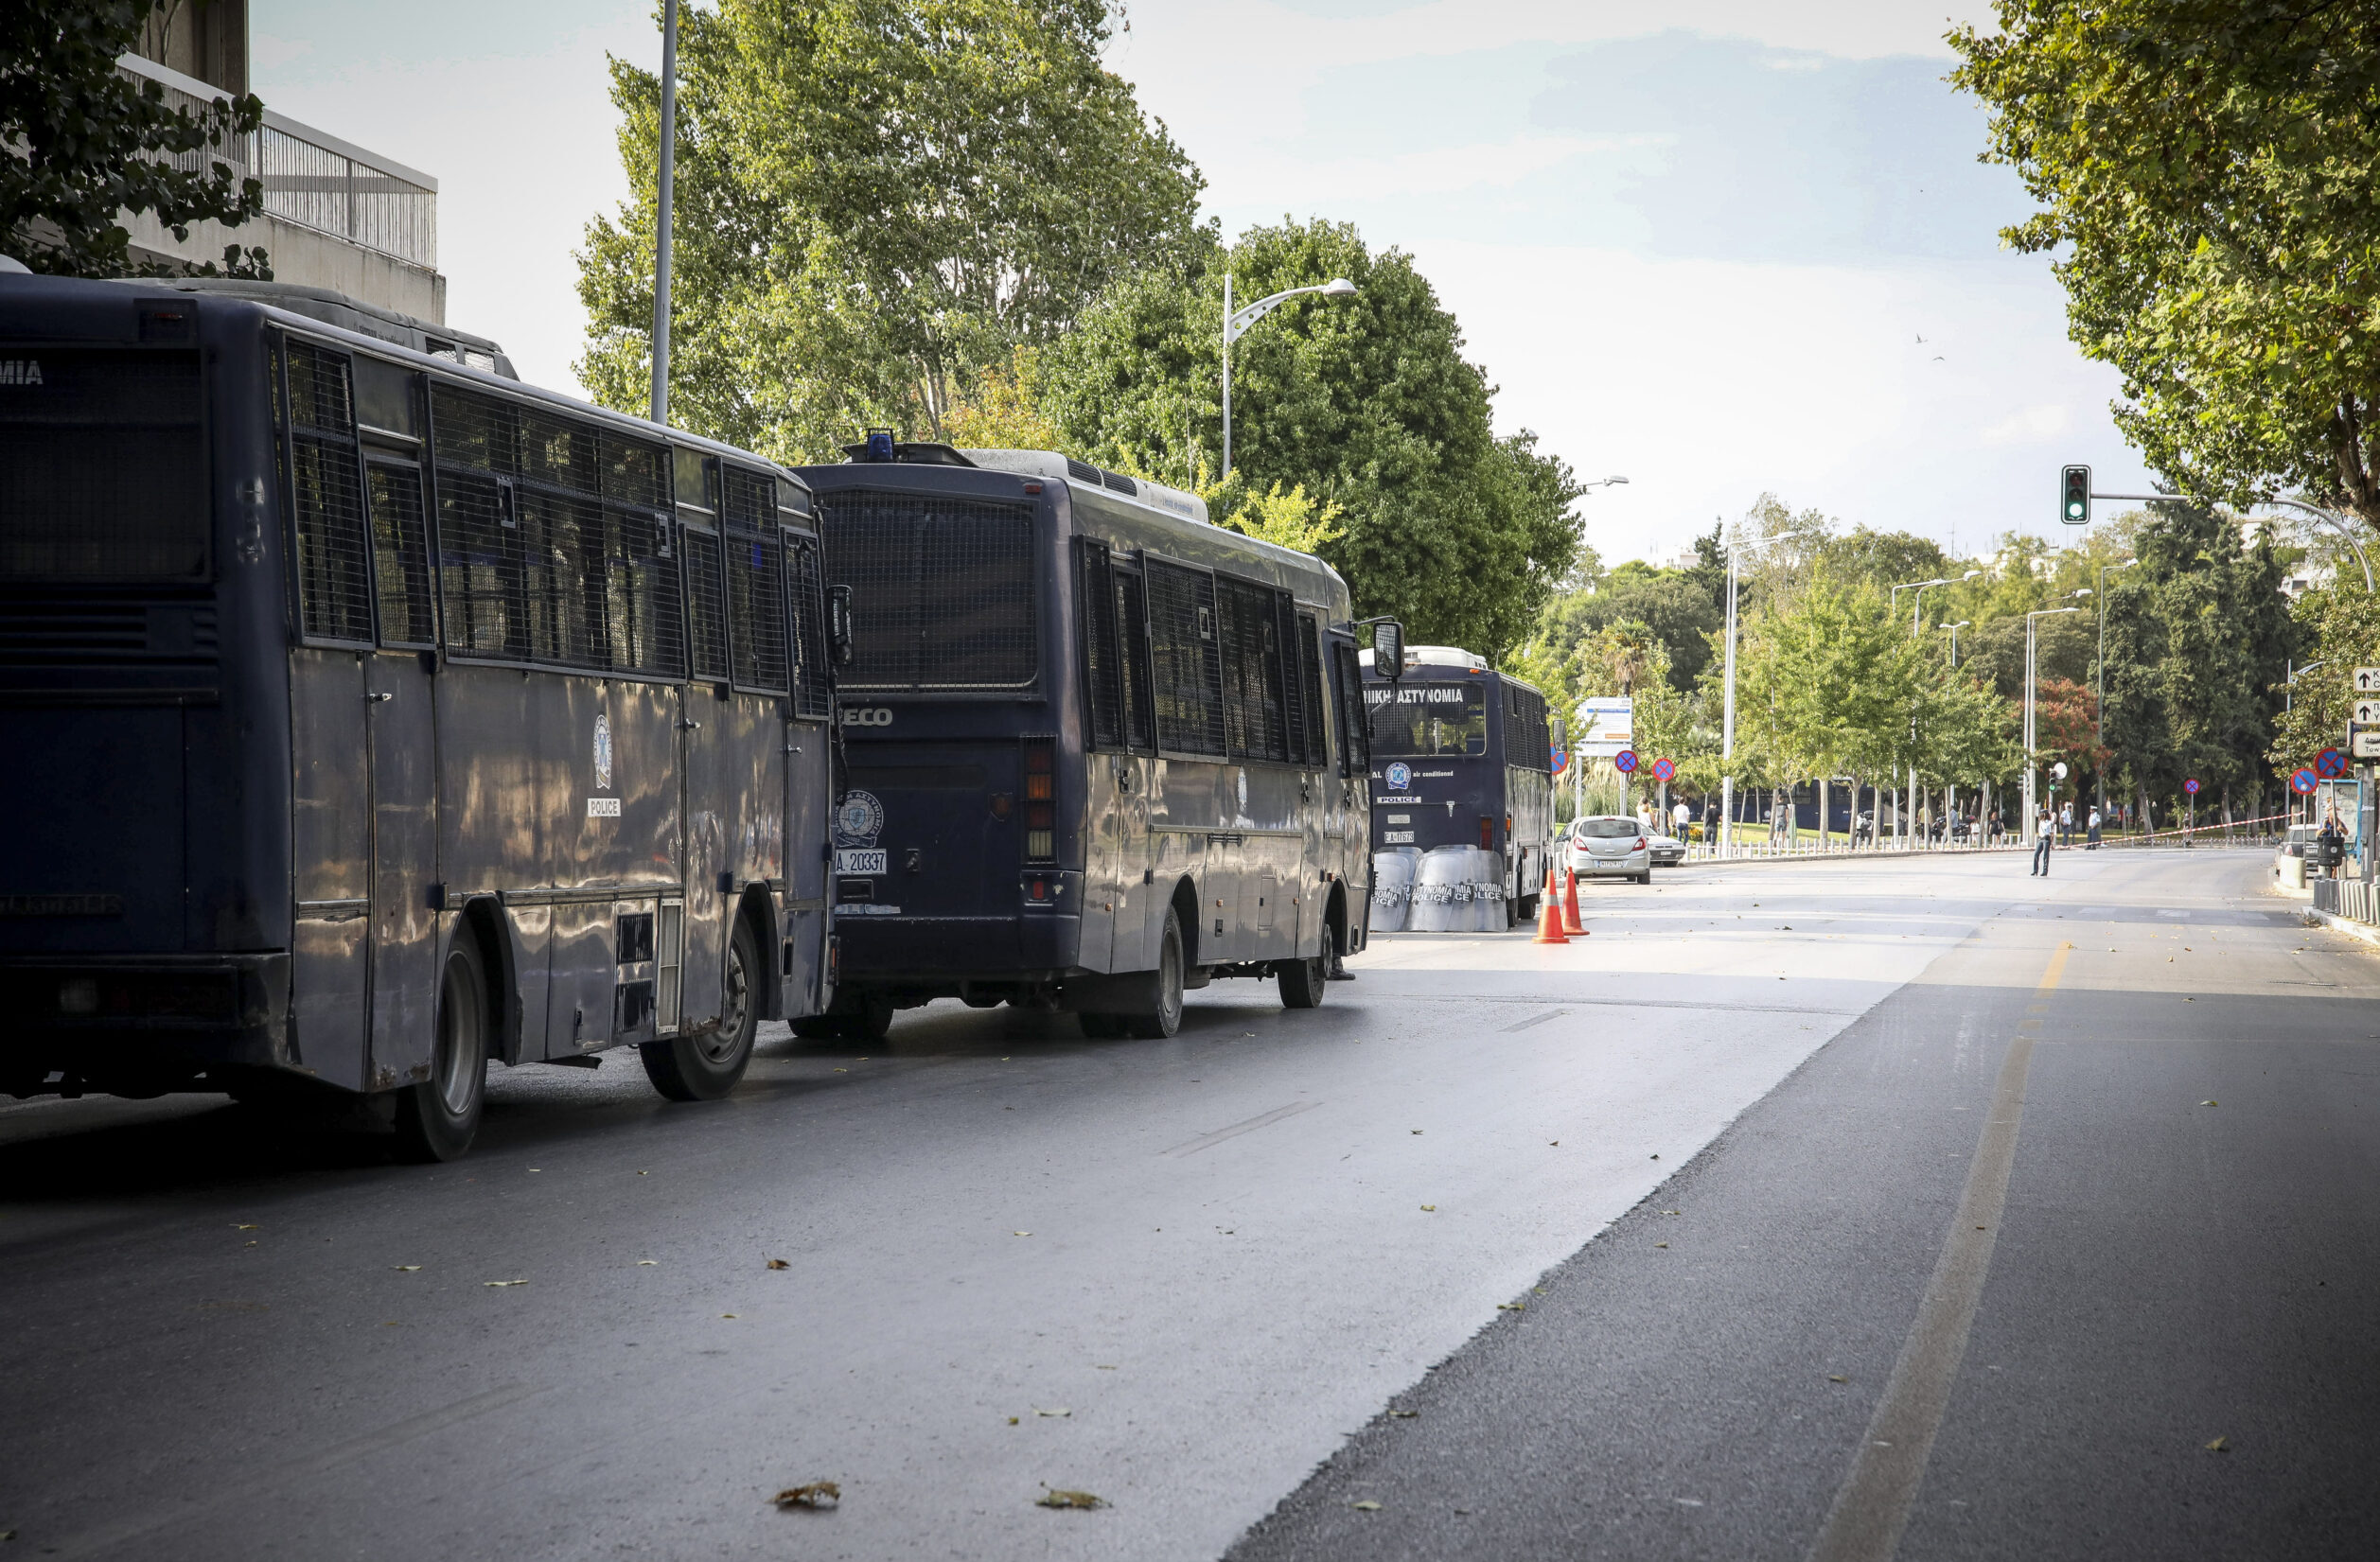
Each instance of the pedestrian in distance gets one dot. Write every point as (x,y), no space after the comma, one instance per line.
(2093,845)
(2045,832)
(2066,824)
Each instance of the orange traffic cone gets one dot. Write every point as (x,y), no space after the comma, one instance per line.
(1549,929)
(1569,901)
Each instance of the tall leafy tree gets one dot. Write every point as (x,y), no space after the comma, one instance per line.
(2209,172)
(877,200)
(2198,638)
(1367,400)
(81,142)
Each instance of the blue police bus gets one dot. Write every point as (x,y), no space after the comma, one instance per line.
(1098,751)
(376,717)
(1462,761)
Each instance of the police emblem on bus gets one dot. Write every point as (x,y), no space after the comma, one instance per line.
(859,820)
(867,716)
(603,751)
(1400,776)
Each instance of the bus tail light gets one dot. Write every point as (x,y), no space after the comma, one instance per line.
(1041,800)
(1486,833)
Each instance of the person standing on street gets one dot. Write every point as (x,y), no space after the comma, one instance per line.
(2045,832)
(2066,824)
(1682,818)
(2094,832)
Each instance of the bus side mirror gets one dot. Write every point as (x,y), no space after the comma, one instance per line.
(838,624)
(1559,733)
(1388,649)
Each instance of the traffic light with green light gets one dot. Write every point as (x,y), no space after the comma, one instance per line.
(2076,511)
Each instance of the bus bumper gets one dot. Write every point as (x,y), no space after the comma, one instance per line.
(878,951)
(139,1025)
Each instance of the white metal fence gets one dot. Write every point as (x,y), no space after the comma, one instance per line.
(314,179)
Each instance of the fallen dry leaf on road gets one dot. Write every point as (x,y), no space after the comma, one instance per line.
(1014,1421)
(779,1263)
(1832,1379)
(1059,1411)
(249,1227)
(1429,1209)
(1661,1244)
(814,1494)
(404,1269)
(2206,1103)
(2216,1446)
(727,1315)
(1053,1496)
(1511,1306)
(501,1283)
(1020,1234)
(648,1263)
(1402,1414)
(1367,1505)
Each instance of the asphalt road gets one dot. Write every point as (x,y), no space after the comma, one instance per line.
(1723,1157)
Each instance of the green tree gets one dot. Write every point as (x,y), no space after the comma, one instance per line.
(2208,171)
(1671,605)
(81,143)
(877,200)
(1367,401)
(2339,627)
(2198,637)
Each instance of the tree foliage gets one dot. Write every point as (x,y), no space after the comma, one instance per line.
(877,202)
(2198,638)
(81,143)
(2211,168)
(1367,401)
(2339,627)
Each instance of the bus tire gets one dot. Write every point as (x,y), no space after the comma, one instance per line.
(1302,982)
(1161,1016)
(708,1065)
(437,1119)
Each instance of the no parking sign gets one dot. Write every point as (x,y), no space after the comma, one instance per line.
(2303,782)
(2191,786)
(1665,770)
(1625,761)
(2330,764)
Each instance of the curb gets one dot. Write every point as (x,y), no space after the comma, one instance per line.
(2342,924)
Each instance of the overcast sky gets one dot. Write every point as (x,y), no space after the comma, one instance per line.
(1698,252)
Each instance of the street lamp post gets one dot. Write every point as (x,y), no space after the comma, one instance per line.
(2289,702)
(2314,510)
(2032,662)
(668,184)
(1954,629)
(2099,697)
(1727,726)
(1236,325)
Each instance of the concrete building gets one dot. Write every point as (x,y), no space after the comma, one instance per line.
(336,217)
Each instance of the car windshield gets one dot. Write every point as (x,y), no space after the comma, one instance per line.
(1606,830)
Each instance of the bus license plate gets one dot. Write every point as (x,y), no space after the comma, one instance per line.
(1396,837)
(850,861)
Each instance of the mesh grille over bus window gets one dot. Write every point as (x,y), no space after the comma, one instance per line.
(1186,663)
(1316,748)
(102,469)
(400,555)
(706,618)
(806,586)
(755,582)
(1103,660)
(1254,724)
(1355,728)
(942,591)
(554,541)
(332,557)
(1132,625)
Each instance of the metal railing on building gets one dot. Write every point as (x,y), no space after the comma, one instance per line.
(314,179)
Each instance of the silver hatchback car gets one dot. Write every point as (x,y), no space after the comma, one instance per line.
(1610,846)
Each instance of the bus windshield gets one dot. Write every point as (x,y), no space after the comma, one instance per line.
(1429,719)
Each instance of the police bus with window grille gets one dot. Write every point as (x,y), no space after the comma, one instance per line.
(376,717)
(1097,751)
(1462,785)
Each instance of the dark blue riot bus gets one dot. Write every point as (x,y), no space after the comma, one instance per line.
(379,716)
(1461,765)
(1099,751)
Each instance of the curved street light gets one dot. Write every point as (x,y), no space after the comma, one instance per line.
(1954,629)
(1236,325)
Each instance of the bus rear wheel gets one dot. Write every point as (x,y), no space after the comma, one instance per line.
(705,1066)
(437,1119)
(1160,1012)
(1302,982)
